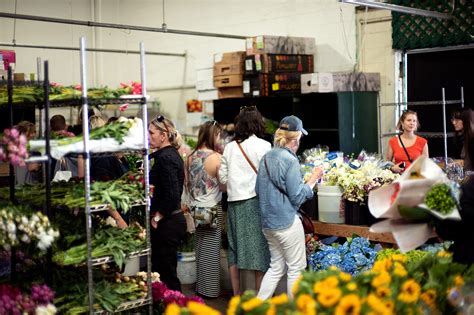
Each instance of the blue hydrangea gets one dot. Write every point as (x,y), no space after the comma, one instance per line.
(353,256)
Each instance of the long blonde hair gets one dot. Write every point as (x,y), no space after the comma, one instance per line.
(166,125)
(283,137)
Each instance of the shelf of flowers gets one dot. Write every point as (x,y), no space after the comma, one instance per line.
(33,94)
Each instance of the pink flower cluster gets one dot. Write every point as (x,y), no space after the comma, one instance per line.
(135,87)
(12,301)
(13,147)
(162,294)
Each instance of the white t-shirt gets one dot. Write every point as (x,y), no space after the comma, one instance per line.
(236,172)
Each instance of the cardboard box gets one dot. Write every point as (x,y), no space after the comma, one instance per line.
(230,92)
(274,63)
(228,68)
(280,45)
(234,57)
(340,82)
(19,77)
(228,81)
(273,84)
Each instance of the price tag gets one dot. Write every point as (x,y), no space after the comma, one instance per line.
(246,86)
(260,44)
(248,65)
(275,86)
(249,43)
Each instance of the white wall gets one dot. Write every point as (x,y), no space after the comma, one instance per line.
(332,24)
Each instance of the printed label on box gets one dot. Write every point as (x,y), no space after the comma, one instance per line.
(314,78)
(246,87)
(260,42)
(248,65)
(256,93)
(218,58)
(275,86)
(249,43)
(326,83)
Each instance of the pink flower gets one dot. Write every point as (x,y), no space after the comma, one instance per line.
(22,139)
(12,148)
(196,299)
(123,107)
(6,132)
(78,87)
(54,84)
(15,133)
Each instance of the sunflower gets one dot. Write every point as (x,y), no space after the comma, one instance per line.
(377,305)
(234,302)
(383,292)
(443,253)
(251,304)
(328,283)
(410,291)
(172,309)
(399,258)
(399,270)
(382,265)
(346,277)
(329,297)
(271,310)
(296,285)
(383,278)
(429,297)
(458,281)
(198,308)
(351,286)
(306,304)
(349,304)
(280,299)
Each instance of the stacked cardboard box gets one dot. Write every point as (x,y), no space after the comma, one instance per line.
(274,64)
(340,82)
(228,74)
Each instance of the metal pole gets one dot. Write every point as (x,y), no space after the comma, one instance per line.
(11,177)
(445,136)
(118,51)
(38,68)
(379,125)
(146,175)
(462,97)
(87,184)
(47,177)
(118,26)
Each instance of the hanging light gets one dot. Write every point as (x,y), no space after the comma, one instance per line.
(399,8)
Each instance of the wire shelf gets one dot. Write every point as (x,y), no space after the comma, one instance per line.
(108,259)
(423,103)
(127,306)
(106,206)
(78,102)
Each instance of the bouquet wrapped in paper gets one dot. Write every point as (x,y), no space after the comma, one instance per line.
(411,202)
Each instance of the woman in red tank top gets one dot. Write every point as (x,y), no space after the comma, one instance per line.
(414,145)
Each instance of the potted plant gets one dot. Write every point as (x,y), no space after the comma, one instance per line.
(187,260)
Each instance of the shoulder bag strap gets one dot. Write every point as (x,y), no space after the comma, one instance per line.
(404,149)
(271,180)
(247,158)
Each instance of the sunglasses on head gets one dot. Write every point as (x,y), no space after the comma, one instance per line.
(253,107)
(161,119)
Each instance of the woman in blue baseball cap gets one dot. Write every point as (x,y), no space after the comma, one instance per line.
(281,191)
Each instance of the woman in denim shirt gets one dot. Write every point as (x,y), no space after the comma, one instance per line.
(281,192)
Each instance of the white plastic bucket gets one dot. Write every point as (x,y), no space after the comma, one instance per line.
(132,266)
(186,268)
(330,204)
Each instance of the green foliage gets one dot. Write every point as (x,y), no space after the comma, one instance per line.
(189,243)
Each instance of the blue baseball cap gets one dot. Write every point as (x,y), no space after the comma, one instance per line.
(292,123)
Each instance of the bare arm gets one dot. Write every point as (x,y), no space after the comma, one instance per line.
(425,151)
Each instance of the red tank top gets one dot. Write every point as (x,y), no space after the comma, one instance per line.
(414,150)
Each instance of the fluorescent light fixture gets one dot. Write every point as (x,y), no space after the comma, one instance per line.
(399,8)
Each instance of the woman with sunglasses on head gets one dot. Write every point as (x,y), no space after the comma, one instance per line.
(168,222)
(407,146)
(248,248)
(204,191)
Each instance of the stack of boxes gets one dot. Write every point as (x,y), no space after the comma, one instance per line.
(274,65)
(340,82)
(228,74)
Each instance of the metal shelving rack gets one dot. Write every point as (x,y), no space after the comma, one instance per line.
(87,187)
(443,134)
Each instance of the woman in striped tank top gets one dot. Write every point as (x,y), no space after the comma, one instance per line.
(204,191)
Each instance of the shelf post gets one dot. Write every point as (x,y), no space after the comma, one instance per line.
(146,174)
(445,136)
(87,184)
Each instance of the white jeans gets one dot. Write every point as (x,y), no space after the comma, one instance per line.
(287,254)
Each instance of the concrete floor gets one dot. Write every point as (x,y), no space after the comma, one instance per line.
(220,303)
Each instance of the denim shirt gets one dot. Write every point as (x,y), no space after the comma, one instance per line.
(278,209)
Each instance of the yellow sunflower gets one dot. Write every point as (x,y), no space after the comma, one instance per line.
(306,304)
(410,291)
(399,270)
(296,285)
(234,302)
(346,277)
(329,297)
(351,286)
(443,253)
(458,281)
(377,305)
(198,309)
(280,299)
(328,283)
(251,304)
(382,265)
(383,292)
(271,310)
(349,304)
(399,258)
(429,297)
(172,309)
(382,279)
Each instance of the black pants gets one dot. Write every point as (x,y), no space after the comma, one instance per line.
(165,240)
